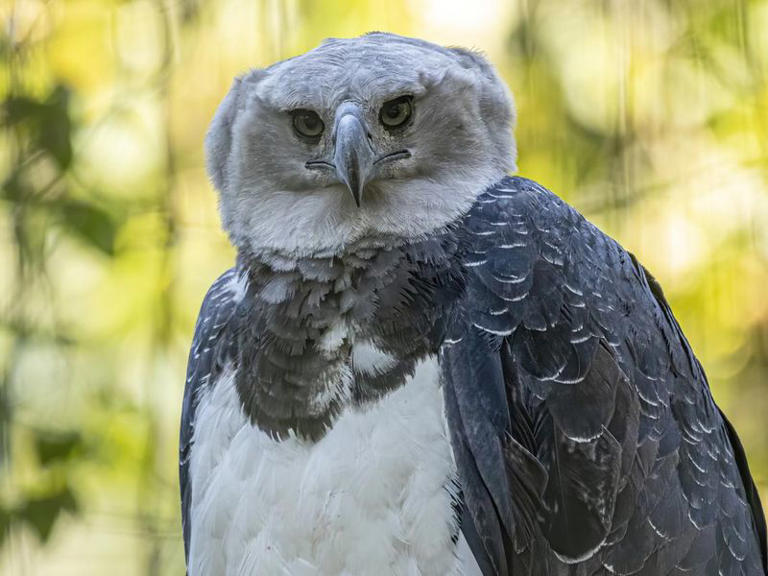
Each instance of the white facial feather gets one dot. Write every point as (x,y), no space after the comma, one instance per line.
(459,141)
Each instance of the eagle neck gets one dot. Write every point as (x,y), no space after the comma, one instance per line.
(300,320)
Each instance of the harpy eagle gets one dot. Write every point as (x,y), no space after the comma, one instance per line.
(420,365)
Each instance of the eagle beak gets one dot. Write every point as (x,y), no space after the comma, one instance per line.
(353,156)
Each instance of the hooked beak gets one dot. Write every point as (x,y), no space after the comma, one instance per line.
(353,156)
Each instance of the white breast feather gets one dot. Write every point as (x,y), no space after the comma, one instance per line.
(373,497)
(367,359)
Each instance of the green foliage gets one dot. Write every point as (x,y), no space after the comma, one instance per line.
(41,512)
(39,506)
(47,121)
(90,223)
(54,447)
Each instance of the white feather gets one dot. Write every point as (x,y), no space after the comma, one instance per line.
(372,497)
(368,359)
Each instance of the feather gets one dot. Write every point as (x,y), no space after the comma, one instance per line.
(616,457)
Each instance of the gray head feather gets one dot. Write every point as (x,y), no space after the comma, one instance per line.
(413,180)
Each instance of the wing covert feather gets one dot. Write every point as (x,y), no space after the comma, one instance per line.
(213,345)
(580,408)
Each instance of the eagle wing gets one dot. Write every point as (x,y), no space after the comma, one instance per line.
(582,424)
(213,346)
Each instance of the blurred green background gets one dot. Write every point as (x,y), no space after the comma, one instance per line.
(650,116)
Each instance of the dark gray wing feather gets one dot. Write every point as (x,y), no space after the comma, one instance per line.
(753,497)
(584,431)
(213,346)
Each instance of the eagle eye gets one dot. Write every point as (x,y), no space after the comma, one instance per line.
(307,124)
(397,112)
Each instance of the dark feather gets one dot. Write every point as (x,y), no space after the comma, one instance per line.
(580,411)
